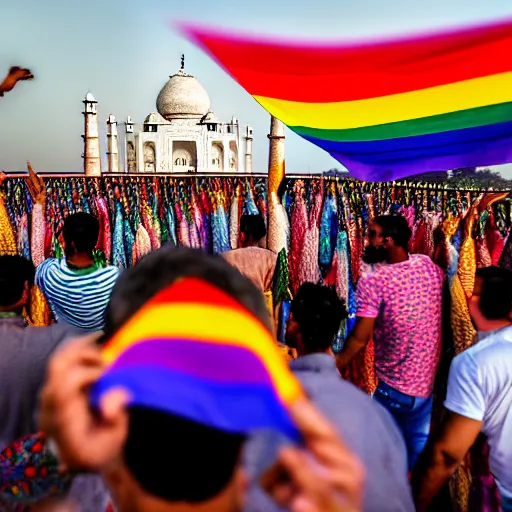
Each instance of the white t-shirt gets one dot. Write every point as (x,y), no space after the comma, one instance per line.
(480,388)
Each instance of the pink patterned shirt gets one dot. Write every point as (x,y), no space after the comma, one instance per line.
(406,299)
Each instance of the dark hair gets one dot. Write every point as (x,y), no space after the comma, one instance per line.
(396,228)
(496,297)
(253,226)
(169,456)
(319,311)
(81,230)
(15,271)
(179,460)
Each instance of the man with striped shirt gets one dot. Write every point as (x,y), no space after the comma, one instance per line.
(76,288)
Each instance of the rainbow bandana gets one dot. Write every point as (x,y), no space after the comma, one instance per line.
(385,110)
(195,352)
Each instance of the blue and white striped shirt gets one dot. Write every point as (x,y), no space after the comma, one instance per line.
(77,296)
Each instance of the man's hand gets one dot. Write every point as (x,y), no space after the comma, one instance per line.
(36,186)
(15,75)
(358,339)
(322,477)
(84,441)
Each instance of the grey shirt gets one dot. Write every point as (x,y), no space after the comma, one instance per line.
(366,427)
(24,355)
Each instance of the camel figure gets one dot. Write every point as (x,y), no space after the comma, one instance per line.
(15,75)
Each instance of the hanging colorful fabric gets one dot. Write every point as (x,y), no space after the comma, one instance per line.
(40,314)
(328,230)
(234,219)
(7,240)
(299,219)
(220,230)
(250,207)
(118,246)
(183,227)
(105,237)
(309,271)
(23,242)
(280,290)
(467,257)
(142,244)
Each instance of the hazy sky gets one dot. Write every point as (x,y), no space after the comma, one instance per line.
(123,51)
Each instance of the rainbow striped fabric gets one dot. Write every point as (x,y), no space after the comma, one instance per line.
(389,109)
(195,352)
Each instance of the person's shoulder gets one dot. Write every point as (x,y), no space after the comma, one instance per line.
(326,386)
(470,365)
(493,349)
(423,259)
(46,271)
(48,263)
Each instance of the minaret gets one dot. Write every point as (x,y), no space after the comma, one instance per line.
(92,159)
(112,144)
(248,149)
(276,167)
(130,153)
(276,172)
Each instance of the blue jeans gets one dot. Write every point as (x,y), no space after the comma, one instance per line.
(506,504)
(412,415)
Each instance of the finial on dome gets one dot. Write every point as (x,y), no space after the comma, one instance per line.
(182,62)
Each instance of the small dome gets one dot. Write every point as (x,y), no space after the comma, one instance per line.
(90,98)
(154,118)
(209,117)
(182,97)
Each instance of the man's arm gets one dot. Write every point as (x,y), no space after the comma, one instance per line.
(359,337)
(442,455)
(465,405)
(37,190)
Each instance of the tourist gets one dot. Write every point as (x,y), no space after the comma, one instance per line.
(400,304)
(365,426)
(25,350)
(251,260)
(156,461)
(479,395)
(76,288)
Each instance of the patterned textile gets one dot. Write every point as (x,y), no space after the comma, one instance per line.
(29,472)
(406,299)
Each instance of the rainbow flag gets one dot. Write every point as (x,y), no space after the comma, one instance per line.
(195,352)
(385,110)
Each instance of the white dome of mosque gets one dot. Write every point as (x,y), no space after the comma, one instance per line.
(182,97)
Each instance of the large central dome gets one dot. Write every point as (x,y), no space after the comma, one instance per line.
(182,97)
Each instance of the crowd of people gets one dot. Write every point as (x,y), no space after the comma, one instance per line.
(358,452)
